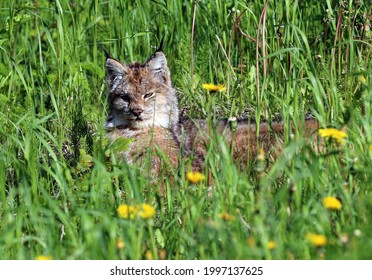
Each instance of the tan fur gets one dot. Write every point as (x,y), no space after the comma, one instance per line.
(243,140)
(157,141)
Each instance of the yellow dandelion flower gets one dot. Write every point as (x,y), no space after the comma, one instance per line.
(370,147)
(332,203)
(120,243)
(226,217)
(148,255)
(212,87)
(317,240)
(127,211)
(43,258)
(271,245)
(146,211)
(194,177)
(332,133)
(363,80)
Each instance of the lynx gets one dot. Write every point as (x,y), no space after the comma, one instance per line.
(143,107)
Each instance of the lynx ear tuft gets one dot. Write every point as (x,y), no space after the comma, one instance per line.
(157,62)
(158,66)
(115,69)
(160,48)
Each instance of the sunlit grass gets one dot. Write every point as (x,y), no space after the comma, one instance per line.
(61,186)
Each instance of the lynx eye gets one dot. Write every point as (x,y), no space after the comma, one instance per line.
(124,97)
(148,95)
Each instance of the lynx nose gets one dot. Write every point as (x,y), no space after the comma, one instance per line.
(136,111)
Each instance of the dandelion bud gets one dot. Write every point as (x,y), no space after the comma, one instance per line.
(233,123)
(261,155)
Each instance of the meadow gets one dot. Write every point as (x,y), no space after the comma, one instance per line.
(62,191)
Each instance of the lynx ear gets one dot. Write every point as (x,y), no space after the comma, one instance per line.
(157,64)
(114,69)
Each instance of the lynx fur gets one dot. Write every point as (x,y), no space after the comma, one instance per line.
(143,107)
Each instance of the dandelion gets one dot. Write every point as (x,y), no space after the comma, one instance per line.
(317,240)
(332,203)
(333,133)
(120,243)
(363,80)
(148,255)
(43,258)
(271,245)
(194,177)
(146,211)
(233,122)
(370,147)
(127,211)
(212,87)
(226,217)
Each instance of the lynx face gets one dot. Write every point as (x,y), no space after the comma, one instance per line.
(141,95)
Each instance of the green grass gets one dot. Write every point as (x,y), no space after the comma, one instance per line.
(60,188)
